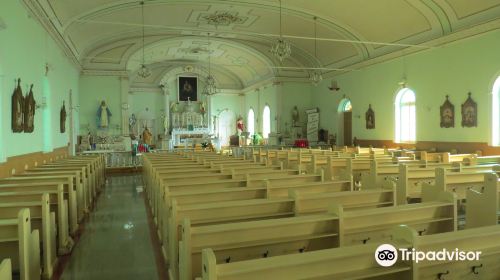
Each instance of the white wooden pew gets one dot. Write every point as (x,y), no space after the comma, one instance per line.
(6,270)
(483,204)
(483,240)
(69,187)
(258,209)
(33,192)
(41,220)
(22,245)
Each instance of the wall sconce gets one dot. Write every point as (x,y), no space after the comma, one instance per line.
(125,106)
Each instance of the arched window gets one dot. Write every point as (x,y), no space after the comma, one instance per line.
(405,116)
(251,122)
(495,122)
(345,105)
(266,122)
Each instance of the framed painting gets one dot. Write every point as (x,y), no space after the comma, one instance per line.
(370,118)
(447,114)
(188,88)
(29,112)
(469,112)
(18,109)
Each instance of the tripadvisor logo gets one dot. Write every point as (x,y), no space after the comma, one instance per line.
(387,255)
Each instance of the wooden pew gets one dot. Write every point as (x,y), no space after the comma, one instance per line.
(253,240)
(6,270)
(257,209)
(410,180)
(22,245)
(41,220)
(69,188)
(459,182)
(83,201)
(80,174)
(356,262)
(483,205)
(58,205)
(483,240)
(477,160)
(372,225)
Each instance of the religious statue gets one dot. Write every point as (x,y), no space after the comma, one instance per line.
(164,117)
(295,116)
(240,127)
(202,108)
(103,115)
(29,112)
(17,108)
(62,119)
(147,136)
(132,120)
(91,141)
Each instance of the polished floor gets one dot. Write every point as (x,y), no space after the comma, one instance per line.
(116,242)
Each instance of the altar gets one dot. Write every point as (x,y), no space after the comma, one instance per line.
(182,136)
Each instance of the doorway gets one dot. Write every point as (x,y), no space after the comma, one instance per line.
(345,123)
(227,126)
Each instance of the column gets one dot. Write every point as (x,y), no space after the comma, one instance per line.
(166,105)
(124,91)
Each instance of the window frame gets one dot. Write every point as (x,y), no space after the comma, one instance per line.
(265,121)
(400,105)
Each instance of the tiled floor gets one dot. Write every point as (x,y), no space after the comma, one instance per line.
(116,242)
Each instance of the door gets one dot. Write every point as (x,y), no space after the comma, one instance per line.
(347,128)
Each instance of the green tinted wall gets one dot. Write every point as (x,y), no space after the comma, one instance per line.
(454,70)
(25,48)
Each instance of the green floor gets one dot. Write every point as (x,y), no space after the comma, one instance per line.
(116,242)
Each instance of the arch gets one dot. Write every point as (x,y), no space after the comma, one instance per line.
(266,121)
(344,124)
(345,105)
(495,113)
(405,116)
(251,121)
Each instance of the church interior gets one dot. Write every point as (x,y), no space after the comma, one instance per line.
(256,139)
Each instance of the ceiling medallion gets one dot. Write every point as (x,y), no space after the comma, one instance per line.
(223,18)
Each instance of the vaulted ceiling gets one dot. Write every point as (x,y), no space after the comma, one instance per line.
(104,36)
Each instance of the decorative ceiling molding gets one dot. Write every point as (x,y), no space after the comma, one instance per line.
(223,18)
(97,72)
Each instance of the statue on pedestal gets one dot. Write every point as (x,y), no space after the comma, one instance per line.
(295,116)
(147,136)
(103,115)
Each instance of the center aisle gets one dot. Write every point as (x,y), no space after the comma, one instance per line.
(116,241)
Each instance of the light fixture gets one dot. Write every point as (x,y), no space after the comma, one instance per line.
(282,48)
(144,72)
(315,76)
(210,87)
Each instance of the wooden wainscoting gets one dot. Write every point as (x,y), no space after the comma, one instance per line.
(460,147)
(17,164)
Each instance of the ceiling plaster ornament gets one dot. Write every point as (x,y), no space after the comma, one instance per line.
(144,72)
(223,18)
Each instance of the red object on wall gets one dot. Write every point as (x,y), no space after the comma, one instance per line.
(301,143)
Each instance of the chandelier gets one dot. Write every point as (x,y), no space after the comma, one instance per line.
(315,76)
(282,48)
(210,87)
(144,72)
